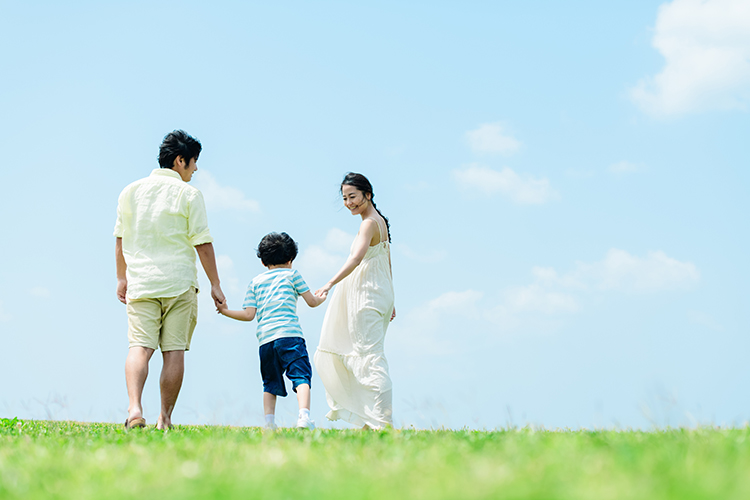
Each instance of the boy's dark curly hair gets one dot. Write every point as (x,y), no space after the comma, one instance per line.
(277,248)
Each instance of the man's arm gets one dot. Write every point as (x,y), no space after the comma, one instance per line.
(122,280)
(208,261)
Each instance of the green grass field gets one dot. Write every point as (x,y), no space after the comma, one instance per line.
(42,459)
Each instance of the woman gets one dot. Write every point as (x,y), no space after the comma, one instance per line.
(350,359)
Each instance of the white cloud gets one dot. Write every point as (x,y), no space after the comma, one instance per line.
(417,331)
(230,283)
(706,47)
(338,241)
(487,181)
(624,167)
(430,314)
(537,298)
(541,306)
(429,257)
(625,272)
(220,197)
(40,291)
(322,260)
(492,138)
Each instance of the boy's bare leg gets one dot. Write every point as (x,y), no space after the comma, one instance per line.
(303,396)
(136,372)
(170,383)
(269,403)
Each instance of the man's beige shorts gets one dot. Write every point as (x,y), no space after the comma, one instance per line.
(164,322)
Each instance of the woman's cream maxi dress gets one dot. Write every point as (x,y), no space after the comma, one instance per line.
(350,358)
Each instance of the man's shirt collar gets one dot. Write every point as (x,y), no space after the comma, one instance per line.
(167,172)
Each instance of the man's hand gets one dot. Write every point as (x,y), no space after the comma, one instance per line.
(208,261)
(218,296)
(122,277)
(122,290)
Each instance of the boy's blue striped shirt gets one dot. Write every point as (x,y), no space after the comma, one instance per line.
(274,295)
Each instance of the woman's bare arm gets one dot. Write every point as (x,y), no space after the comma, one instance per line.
(359,249)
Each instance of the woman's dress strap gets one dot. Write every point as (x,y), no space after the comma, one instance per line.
(380,231)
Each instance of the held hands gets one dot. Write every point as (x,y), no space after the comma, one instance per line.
(221,308)
(122,290)
(218,296)
(323,292)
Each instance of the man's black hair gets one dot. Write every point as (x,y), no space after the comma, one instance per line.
(178,143)
(277,248)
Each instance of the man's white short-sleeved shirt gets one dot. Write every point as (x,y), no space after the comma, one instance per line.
(161,219)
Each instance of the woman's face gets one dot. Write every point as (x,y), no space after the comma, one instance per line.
(354,199)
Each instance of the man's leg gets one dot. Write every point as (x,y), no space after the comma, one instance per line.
(136,371)
(170,383)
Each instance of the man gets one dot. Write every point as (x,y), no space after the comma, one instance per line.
(160,219)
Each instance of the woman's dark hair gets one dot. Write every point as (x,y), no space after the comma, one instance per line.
(178,143)
(360,182)
(277,248)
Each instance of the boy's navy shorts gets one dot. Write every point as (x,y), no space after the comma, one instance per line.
(287,354)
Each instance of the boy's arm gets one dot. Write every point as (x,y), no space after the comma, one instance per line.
(312,300)
(208,261)
(247,314)
(122,280)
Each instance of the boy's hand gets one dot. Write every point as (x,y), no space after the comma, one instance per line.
(221,307)
(122,290)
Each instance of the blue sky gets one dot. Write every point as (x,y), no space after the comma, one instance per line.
(566,183)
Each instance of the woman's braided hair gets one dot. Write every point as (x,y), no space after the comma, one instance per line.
(361,183)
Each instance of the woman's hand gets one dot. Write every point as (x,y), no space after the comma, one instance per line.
(393,315)
(323,292)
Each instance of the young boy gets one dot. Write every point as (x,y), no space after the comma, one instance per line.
(272,297)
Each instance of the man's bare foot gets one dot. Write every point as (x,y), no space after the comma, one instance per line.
(164,424)
(134,421)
